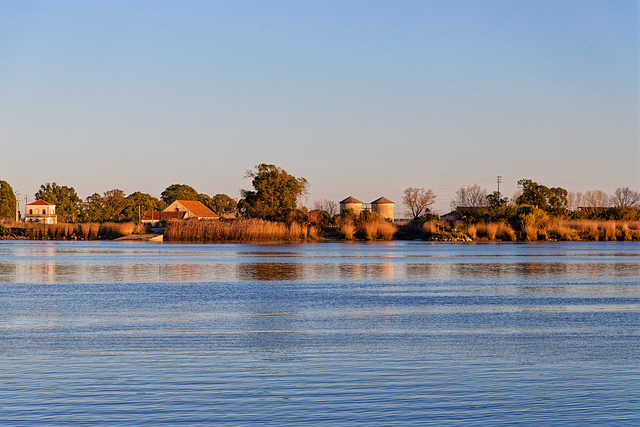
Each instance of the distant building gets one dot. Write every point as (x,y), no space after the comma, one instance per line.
(383,207)
(153,217)
(41,212)
(180,209)
(351,203)
(191,209)
(461,212)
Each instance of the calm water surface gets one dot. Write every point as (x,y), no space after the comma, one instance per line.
(403,333)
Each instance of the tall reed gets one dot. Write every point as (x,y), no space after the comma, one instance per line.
(346,228)
(86,231)
(377,230)
(432,227)
(237,230)
(472,231)
(584,229)
(492,231)
(112,230)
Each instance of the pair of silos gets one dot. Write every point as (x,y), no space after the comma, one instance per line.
(382,206)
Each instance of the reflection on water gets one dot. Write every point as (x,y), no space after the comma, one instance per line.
(77,263)
(270,271)
(105,333)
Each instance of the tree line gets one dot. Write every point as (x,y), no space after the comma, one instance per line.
(277,195)
(475,204)
(112,205)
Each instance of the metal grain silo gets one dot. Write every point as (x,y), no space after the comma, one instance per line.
(351,203)
(383,207)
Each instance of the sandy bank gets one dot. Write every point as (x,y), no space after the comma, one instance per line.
(141,238)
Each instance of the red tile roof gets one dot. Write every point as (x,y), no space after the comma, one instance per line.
(40,202)
(198,209)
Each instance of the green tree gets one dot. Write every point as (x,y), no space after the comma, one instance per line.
(223,204)
(220,203)
(65,198)
(495,200)
(206,200)
(178,192)
(138,203)
(7,201)
(114,205)
(92,209)
(275,192)
(552,200)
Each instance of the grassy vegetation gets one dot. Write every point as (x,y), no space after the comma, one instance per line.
(81,231)
(529,229)
(366,226)
(237,230)
(530,226)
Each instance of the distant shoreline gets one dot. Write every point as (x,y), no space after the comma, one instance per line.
(256,230)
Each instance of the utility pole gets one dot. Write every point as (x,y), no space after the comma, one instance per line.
(17,206)
(499,181)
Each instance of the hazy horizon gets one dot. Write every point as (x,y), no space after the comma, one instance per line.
(360,98)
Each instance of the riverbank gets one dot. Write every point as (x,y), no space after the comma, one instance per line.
(70,231)
(247,230)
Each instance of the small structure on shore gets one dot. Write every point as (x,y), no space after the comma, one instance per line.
(40,211)
(191,209)
(383,207)
(180,209)
(154,217)
(351,203)
(461,212)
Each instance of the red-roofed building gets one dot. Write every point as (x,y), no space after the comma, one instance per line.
(41,211)
(191,209)
(155,216)
(180,209)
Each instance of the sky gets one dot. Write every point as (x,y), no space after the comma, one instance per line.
(361,98)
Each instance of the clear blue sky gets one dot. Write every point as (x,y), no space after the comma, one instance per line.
(362,98)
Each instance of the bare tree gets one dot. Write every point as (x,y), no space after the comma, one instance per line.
(624,197)
(328,206)
(418,200)
(596,199)
(469,197)
(592,201)
(572,200)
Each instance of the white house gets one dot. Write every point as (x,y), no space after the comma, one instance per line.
(41,211)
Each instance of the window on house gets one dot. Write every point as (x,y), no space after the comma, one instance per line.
(30,211)
(44,211)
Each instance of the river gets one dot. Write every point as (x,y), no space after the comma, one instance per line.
(395,333)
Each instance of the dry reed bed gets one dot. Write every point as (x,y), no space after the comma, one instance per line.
(491,231)
(378,230)
(557,229)
(86,231)
(595,230)
(373,229)
(237,230)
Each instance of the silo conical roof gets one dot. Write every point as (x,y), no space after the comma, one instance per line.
(382,200)
(350,199)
